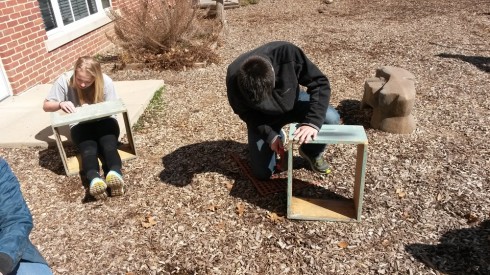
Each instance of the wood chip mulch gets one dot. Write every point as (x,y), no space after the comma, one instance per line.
(190,209)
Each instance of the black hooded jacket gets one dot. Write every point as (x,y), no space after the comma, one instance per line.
(292,68)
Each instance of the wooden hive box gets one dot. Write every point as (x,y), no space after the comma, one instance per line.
(331,209)
(90,112)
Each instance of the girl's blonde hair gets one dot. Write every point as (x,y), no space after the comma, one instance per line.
(94,93)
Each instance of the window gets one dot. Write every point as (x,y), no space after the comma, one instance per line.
(69,11)
(106,4)
(47,14)
(65,20)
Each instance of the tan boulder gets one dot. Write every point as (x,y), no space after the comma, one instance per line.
(391,95)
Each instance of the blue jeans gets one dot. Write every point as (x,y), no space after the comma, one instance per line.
(263,159)
(28,268)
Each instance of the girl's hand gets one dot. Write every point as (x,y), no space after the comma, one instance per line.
(67,106)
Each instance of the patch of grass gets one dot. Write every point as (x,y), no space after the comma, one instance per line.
(156,105)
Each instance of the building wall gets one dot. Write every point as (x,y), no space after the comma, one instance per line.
(24,55)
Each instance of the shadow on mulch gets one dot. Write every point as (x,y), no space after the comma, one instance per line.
(181,165)
(50,159)
(272,193)
(463,251)
(481,62)
(351,113)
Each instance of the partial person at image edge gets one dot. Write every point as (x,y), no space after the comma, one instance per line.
(17,254)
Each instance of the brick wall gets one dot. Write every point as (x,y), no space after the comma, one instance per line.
(23,53)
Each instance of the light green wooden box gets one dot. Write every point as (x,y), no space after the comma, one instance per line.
(90,112)
(330,209)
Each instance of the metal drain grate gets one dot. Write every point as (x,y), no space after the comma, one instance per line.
(278,182)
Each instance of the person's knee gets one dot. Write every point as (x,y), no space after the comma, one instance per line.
(109,143)
(332,116)
(88,150)
(109,147)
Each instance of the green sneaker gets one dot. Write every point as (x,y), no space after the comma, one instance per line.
(115,182)
(98,189)
(318,164)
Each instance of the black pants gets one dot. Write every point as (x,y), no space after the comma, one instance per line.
(94,139)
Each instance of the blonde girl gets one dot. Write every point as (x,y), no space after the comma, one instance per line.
(86,84)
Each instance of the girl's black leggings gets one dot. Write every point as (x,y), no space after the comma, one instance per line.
(98,138)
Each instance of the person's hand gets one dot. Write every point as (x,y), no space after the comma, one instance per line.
(67,106)
(277,145)
(304,134)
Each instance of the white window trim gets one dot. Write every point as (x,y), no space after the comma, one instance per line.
(4,83)
(78,29)
(65,34)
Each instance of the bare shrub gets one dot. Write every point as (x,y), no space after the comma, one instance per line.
(164,34)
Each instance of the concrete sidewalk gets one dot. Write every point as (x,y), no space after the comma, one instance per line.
(228,4)
(23,123)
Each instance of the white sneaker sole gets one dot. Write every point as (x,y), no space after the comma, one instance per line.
(115,183)
(98,190)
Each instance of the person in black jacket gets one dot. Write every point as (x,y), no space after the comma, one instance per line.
(17,254)
(263,87)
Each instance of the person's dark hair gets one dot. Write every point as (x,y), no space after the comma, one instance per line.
(256,78)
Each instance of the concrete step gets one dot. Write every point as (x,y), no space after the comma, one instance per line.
(211,4)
